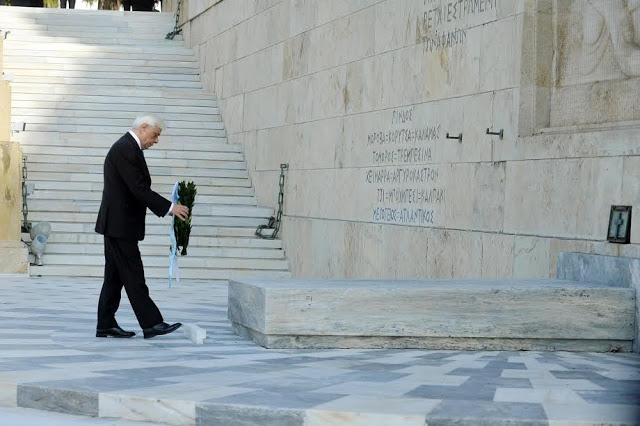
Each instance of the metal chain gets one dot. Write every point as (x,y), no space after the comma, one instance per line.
(26,226)
(175,31)
(274,223)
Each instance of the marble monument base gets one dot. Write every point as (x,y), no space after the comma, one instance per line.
(14,258)
(474,314)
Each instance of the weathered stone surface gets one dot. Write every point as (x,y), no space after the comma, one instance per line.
(358,97)
(610,270)
(5,111)
(59,400)
(14,258)
(10,190)
(432,313)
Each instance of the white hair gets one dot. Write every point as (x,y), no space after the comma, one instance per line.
(149,120)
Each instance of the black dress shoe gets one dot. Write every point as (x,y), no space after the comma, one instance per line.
(114,332)
(160,329)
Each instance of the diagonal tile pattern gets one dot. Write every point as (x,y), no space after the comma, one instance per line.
(50,359)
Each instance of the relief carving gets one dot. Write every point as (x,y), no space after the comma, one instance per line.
(615,25)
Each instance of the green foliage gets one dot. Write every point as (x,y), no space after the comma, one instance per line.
(187,197)
(108,4)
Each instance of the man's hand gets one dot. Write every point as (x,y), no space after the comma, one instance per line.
(180,211)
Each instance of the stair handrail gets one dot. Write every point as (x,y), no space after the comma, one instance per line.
(176,30)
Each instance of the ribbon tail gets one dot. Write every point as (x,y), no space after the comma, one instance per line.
(173,257)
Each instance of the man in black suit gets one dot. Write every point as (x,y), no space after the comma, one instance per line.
(125,198)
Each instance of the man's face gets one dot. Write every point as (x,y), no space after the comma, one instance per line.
(148,135)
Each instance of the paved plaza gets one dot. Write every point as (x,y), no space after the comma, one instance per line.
(50,360)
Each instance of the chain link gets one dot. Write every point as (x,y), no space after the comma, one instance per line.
(274,223)
(26,225)
(175,31)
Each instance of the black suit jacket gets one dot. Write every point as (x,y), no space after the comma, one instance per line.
(127,192)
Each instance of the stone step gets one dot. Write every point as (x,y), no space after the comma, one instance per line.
(186,273)
(189,261)
(104,93)
(28,114)
(43,24)
(152,63)
(116,82)
(94,76)
(107,122)
(116,16)
(53,248)
(34,152)
(26,33)
(80,190)
(171,123)
(205,215)
(80,210)
(75,226)
(174,172)
(87,109)
(26,67)
(81,196)
(162,231)
(204,226)
(150,99)
(37,176)
(36,160)
(105,140)
(55,29)
(27,30)
(478,314)
(13,47)
(121,129)
(18,52)
(55,13)
(62,67)
(227,237)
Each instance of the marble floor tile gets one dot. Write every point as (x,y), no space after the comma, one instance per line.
(50,358)
(172,411)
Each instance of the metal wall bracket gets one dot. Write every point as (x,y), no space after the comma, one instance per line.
(459,137)
(500,133)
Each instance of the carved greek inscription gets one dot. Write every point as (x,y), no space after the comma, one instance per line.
(406,188)
(449,13)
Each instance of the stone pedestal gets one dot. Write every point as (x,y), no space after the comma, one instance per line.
(14,258)
(14,255)
(610,270)
(476,314)
(5,110)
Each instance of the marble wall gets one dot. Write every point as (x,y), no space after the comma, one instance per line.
(598,67)
(358,96)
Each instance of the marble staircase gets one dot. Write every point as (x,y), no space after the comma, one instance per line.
(79,78)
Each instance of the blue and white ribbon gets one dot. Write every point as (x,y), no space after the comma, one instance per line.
(173,256)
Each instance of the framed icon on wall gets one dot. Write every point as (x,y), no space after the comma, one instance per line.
(619,225)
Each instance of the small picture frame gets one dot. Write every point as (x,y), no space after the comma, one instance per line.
(619,225)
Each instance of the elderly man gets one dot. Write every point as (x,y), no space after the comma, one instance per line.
(125,198)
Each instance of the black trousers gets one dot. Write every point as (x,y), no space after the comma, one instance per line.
(123,268)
